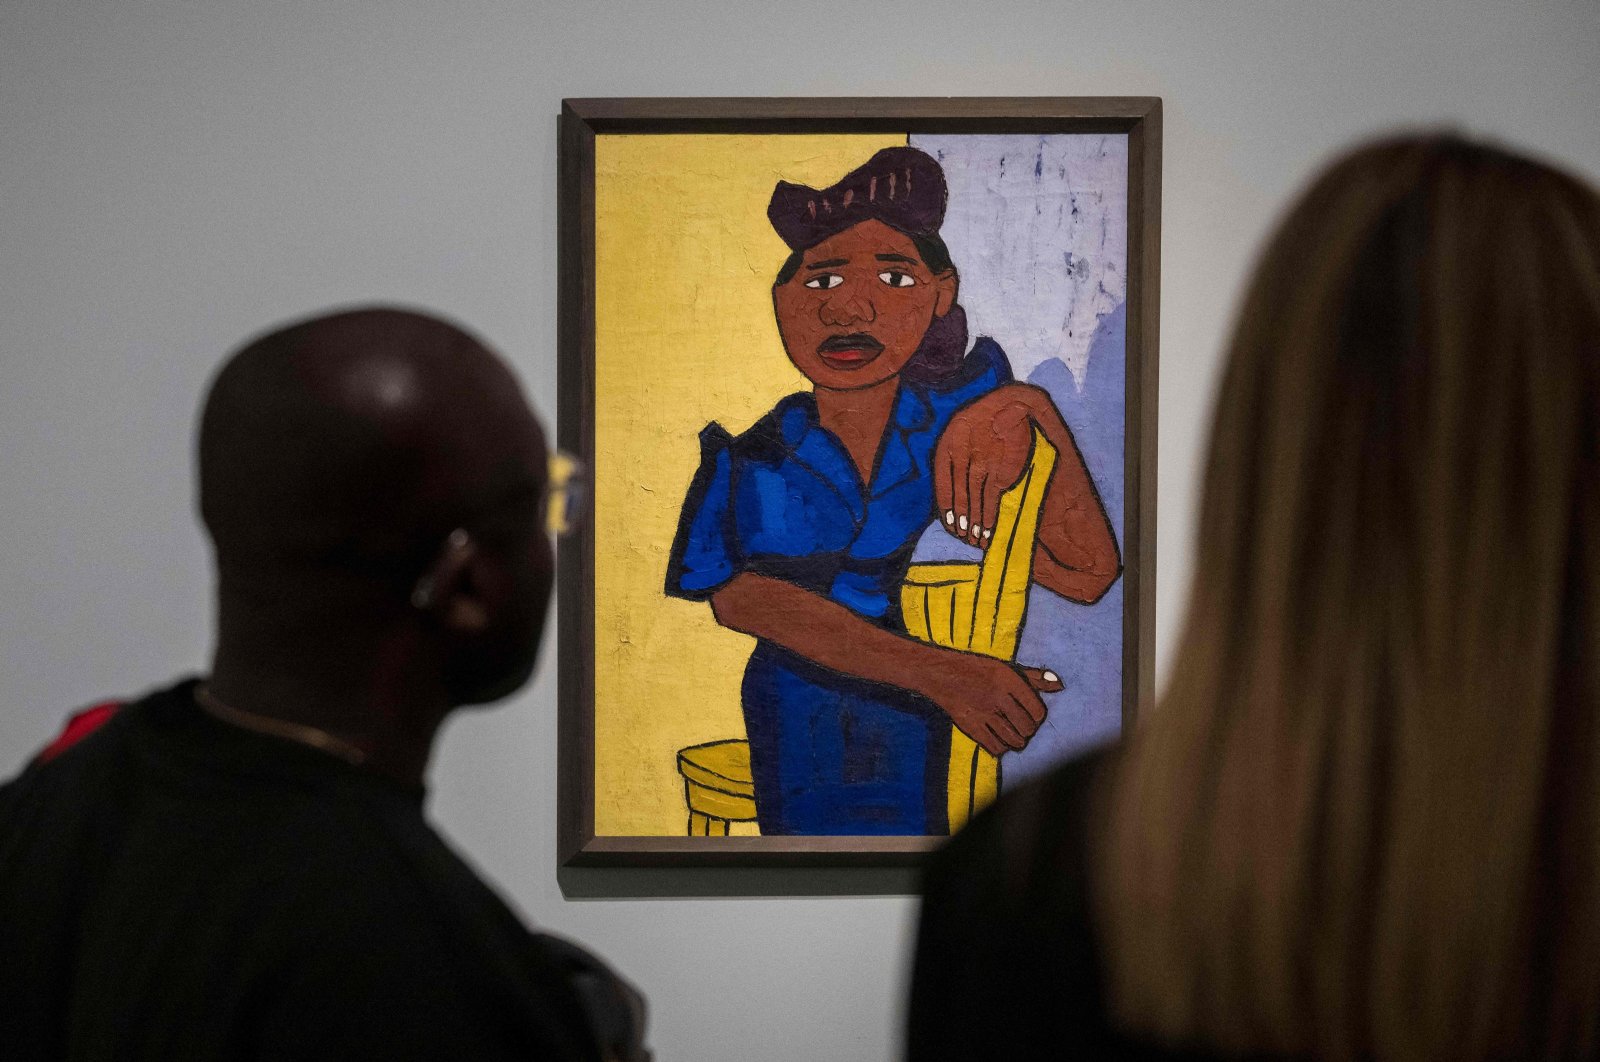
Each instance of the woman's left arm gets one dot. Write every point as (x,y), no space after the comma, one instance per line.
(982,454)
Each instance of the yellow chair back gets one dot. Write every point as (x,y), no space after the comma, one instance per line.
(979,608)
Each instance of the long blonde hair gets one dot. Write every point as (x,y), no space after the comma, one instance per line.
(1364,821)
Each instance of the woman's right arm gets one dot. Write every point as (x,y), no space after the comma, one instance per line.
(992,702)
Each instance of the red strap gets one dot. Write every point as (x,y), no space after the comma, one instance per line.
(80,726)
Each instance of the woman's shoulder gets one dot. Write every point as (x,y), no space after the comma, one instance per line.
(1033,839)
(1006,930)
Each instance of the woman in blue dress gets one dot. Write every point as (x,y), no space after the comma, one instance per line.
(799,532)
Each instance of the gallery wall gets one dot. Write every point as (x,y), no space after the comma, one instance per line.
(176,175)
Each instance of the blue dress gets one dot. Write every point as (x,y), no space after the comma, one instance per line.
(830,753)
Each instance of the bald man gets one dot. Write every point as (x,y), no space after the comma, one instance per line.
(238,866)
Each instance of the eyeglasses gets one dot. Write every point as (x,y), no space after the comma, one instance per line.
(564,493)
(563,502)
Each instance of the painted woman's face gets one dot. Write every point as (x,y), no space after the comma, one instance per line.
(857,309)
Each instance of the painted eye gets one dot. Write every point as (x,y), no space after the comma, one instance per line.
(825,281)
(897,279)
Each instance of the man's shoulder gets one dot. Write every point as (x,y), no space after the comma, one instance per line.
(145,793)
(75,773)
(269,866)
(412,925)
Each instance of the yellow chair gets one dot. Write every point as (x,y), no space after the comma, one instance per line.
(974,607)
(979,608)
(717,786)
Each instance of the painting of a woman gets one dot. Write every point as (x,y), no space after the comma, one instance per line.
(799,531)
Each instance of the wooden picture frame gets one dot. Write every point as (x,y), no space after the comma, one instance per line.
(581,122)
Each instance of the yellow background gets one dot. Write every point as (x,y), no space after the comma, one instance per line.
(684,335)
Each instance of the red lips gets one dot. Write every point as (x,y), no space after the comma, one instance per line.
(849,351)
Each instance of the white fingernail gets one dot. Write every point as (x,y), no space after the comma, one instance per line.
(950,516)
(1051,676)
(962,523)
(988,533)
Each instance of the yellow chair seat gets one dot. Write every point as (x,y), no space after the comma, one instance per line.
(717,786)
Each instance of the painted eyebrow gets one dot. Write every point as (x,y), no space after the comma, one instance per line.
(829,264)
(897,258)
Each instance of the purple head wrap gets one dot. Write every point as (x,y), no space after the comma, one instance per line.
(905,189)
(900,186)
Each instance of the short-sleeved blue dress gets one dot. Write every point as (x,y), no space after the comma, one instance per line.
(830,753)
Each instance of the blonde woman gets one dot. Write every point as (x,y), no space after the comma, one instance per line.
(1364,823)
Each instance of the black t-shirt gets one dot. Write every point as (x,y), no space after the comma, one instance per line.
(176,888)
(1006,963)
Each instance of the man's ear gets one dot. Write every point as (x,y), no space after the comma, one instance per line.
(449,592)
(947,286)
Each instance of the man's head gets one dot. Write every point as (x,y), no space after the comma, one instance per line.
(375,475)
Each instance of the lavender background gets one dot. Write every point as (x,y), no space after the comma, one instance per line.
(1037,227)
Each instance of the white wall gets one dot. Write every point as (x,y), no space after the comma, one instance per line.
(175,175)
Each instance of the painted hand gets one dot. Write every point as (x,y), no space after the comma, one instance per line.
(994,703)
(981,455)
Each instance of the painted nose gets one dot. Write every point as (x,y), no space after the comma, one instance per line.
(848,307)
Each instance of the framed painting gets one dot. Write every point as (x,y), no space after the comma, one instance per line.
(867,391)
